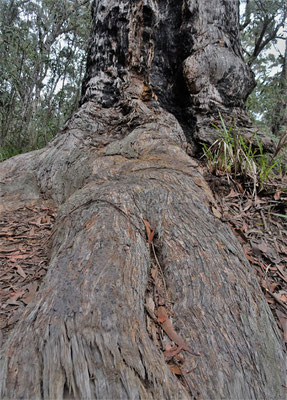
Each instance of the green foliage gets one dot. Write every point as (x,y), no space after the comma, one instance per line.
(263,36)
(42,46)
(8,151)
(233,154)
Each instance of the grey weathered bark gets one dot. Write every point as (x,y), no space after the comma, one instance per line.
(279,117)
(156,72)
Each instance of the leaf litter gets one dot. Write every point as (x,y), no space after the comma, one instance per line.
(259,223)
(24,247)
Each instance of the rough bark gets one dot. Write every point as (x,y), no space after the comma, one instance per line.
(121,160)
(279,117)
(179,52)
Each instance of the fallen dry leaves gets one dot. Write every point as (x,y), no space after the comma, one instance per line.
(260,226)
(149,231)
(24,235)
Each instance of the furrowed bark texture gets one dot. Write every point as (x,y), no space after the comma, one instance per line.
(121,160)
(186,54)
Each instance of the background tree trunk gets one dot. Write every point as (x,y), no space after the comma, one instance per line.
(156,73)
(279,117)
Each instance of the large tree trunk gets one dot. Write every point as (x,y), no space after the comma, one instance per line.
(156,73)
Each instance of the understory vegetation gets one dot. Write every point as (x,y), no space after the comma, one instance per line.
(43,55)
(244,159)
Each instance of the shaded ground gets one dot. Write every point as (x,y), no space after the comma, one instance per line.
(260,225)
(24,245)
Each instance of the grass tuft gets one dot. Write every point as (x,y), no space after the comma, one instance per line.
(233,154)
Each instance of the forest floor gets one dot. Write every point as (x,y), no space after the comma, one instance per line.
(24,254)
(256,221)
(259,222)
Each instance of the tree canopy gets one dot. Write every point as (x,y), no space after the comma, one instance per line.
(43,50)
(263,33)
